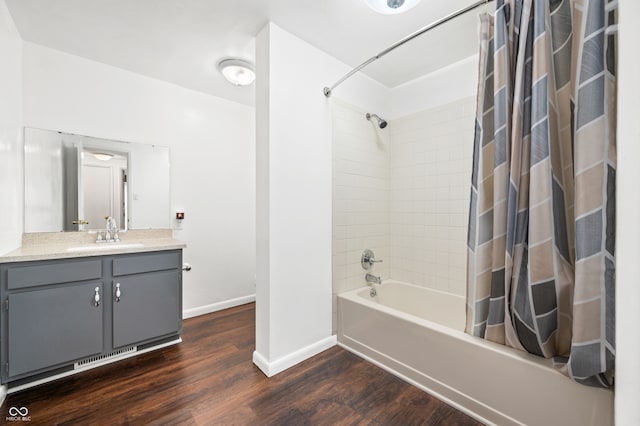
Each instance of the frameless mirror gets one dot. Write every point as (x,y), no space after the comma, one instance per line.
(74,182)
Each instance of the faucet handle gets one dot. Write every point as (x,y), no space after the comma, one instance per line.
(99,237)
(368,259)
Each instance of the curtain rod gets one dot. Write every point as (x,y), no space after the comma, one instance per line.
(327,90)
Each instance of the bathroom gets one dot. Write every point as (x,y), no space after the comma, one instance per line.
(283,151)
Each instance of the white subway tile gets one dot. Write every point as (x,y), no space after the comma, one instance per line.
(406,198)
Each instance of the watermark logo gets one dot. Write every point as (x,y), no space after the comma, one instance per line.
(18,414)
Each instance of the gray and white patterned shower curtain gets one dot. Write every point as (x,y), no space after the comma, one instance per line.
(540,270)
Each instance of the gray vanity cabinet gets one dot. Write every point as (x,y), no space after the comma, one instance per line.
(53,326)
(148,307)
(49,313)
(56,313)
(148,302)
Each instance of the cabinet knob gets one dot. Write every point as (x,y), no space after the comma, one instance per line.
(96,297)
(118,292)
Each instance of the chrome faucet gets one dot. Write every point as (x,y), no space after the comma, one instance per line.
(373,279)
(111,230)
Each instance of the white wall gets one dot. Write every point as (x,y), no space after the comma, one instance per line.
(294,163)
(294,208)
(451,83)
(627,409)
(212,158)
(11,182)
(262,353)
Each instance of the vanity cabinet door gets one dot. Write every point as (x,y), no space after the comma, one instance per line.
(52,326)
(148,306)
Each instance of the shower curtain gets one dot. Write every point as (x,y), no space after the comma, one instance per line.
(541,237)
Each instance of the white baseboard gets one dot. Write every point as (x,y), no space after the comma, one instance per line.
(3,394)
(261,362)
(270,369)
(214,307)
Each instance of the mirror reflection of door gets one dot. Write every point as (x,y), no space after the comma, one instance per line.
(96,190)
(103,188)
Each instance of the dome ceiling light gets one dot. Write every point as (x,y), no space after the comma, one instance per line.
(391,7)
(237,71)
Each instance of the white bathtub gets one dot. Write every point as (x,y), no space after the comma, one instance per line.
(418,335)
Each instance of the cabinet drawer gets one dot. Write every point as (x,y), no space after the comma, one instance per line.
(53,272)
(146,262)
(150,306)
(53,326)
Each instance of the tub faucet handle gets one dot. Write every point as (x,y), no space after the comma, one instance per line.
(368,259)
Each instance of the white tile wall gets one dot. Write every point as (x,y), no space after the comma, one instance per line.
(360,197)
(430,174)
(404,193)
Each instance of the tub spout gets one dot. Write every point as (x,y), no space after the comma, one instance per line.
(371,279)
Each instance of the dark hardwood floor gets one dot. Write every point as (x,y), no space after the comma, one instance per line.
(210,379)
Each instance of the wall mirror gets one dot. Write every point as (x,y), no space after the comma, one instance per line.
(73,182)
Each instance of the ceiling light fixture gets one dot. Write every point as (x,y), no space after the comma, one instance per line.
(103,156)
(391,7)
(237,71)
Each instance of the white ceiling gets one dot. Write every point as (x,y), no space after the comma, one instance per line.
(181,41)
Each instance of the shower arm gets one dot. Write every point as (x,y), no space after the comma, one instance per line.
(327,90)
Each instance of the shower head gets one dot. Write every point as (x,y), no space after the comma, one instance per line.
(382,123)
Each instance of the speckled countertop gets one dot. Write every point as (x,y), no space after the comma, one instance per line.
(65,245)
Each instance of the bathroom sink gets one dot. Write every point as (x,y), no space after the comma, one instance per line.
(105,246)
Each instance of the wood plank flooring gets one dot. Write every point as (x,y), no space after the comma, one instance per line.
(209,379)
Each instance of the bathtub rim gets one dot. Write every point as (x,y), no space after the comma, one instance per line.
(360,292)
(531,359)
